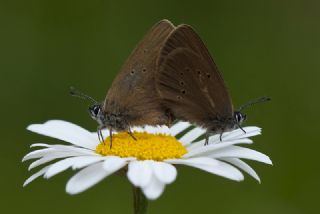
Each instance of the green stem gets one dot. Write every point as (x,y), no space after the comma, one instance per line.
(140,202)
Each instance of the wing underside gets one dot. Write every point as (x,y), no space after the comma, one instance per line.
(188,79)
(133,91)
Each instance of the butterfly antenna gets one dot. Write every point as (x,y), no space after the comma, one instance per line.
(75,93)
(253,102)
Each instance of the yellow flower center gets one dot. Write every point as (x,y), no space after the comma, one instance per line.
(147,146)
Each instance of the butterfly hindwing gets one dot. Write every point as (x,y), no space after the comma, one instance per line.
(188,80)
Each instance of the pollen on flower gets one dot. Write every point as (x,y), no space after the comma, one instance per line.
(147,146)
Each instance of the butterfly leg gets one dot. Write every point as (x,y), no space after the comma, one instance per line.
(110,134)
(100,136)
(241,128)
(131,134)
(206,142)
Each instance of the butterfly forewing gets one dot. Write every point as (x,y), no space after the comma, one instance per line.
(133,91)
(189,81)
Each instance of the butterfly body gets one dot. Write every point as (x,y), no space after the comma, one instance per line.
(169,75)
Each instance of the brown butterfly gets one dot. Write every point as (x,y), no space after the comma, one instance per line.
(191,86)
(132,99)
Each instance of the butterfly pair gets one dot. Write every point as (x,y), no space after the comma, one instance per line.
(170,75)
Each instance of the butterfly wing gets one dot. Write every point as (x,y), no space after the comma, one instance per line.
(188,80)
(133,92)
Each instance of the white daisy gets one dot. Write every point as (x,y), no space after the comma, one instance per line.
(148,162)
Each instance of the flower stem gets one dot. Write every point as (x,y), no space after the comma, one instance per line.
(140,201)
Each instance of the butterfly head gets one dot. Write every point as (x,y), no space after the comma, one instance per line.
(97,113)
(239,117)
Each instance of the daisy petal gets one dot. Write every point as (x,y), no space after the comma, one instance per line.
(140,173)
(213,166)
(164,172)
(40,145)
(35,175)
(37,154)
(86,178)
(241,152)
(163,130)
(242,165)
(156,129)
(74,162)
(65,131)
(50,157)
(190,136)
(58,167)
(238,133)
(80,151)
(154,189)
(86,161)
(64,147)
(204,150)
(137,129)
(113,163)
(179,127)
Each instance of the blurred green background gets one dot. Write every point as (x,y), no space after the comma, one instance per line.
(261,47)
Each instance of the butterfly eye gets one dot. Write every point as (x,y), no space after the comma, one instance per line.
(239,117)
(96,110)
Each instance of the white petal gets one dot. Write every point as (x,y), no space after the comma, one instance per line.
(46,159)
(140,173)
(66,131)
(137,129)
(242,165)
(58,149)
(37,154)
(113,163)
(153,129)
(150,129)
(36,175)
(84,161)
(238,133)
(204,150)
(214,139)
(58,167)
(211,165)
(154,189)
(241,152)
(86,178)
(179,127)
(50,157)
(163,130)
(74,162)
(80,151)
(164,172)
(192,135)
(40,145)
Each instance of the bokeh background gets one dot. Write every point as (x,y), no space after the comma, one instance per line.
(261,47)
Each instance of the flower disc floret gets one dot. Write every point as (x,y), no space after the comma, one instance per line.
(146,146)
